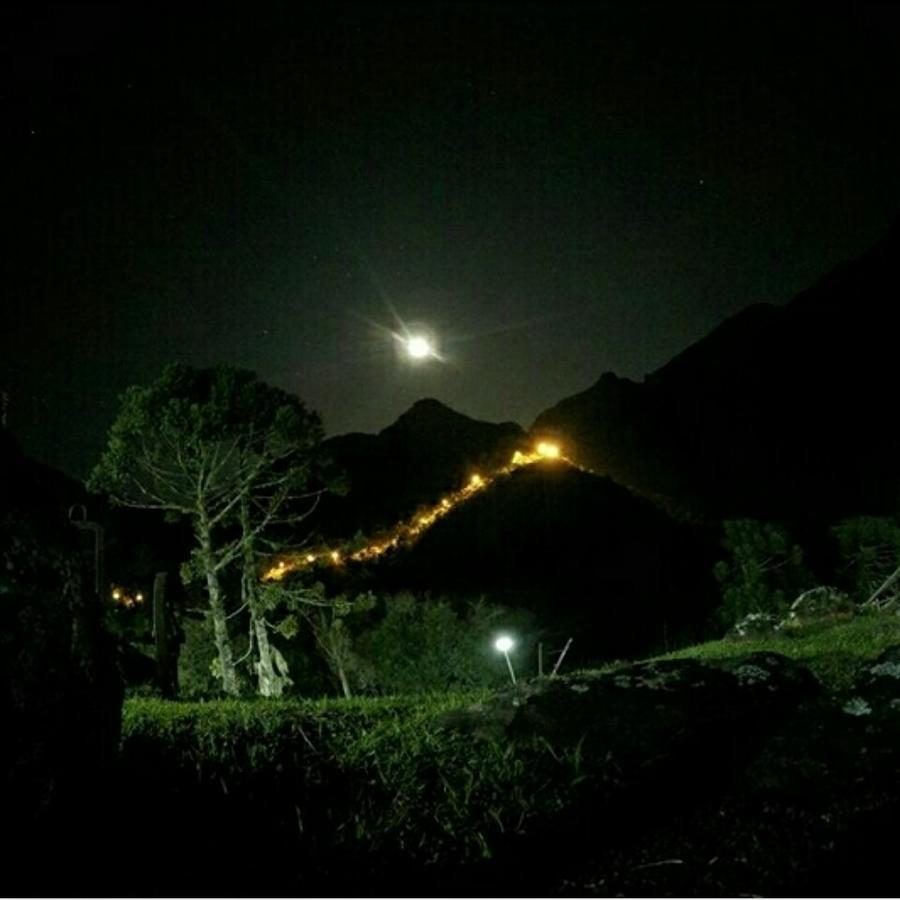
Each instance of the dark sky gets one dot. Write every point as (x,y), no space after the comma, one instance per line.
(555,190)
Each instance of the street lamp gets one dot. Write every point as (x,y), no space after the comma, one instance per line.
(503,644)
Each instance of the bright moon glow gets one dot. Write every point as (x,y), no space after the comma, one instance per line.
(419,347)
(504,644)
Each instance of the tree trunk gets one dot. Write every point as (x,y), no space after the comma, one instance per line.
(166,660)
(217,614)
(345,685)
(268,682)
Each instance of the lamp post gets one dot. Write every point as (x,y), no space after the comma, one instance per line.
(503,644)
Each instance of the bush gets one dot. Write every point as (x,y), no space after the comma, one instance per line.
(870,551)
(421,644)
(763,571)
(332,788)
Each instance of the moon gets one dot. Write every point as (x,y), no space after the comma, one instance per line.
(419,347)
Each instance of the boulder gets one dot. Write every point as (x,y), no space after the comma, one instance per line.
(681,723)
(754,625)
(820,603)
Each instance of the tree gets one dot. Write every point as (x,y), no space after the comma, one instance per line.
(870,554)
(230,453)
(420,644)
(764,571)
(329,622)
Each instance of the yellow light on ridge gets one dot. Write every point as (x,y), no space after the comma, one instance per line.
(548,450)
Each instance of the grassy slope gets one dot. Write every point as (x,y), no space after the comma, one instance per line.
(832,650)
(383,788)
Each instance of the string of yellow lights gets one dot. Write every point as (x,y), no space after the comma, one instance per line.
(409,530)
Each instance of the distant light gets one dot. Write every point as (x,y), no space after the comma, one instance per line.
(504,643)
(476,480)
(310,558)
(419,347)
(548,450)
(139,597)
(117,595)
(335,556)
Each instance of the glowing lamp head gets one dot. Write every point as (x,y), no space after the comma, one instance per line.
(419,347)
(504,643)
(548,450)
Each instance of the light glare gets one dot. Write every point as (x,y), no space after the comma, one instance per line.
(504,643)
(418,347)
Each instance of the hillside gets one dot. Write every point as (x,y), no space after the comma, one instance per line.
(780,412)
(731,771)
(429,450)
(577,549)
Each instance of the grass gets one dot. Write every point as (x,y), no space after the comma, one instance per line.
(376,786)
(834,651)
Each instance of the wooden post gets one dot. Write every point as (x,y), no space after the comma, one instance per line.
(562,655)
(164,674)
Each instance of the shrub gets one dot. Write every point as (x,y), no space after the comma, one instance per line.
(762,572)
(870,551)
(424,644)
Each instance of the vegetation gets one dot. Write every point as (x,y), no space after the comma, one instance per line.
(234,456)
(870,552)
(373,779)
(763,573)
(833,650)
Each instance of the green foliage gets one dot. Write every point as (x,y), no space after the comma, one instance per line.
(196,659)
(423,644)
(196,423)
(233,455)
(370,776)
(763,573)
(869,550)
(331,626)
(833,650)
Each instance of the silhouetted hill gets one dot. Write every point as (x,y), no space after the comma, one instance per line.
(585,554)
(429,450)
(29,485)
(781,412)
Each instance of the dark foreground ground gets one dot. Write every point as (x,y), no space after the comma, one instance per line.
(686,778)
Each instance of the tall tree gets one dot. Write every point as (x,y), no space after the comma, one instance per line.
(225,450)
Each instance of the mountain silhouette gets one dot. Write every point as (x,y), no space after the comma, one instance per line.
(430,450)
(583,553)
(779,413)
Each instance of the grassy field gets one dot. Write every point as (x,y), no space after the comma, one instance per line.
(833,651)
(368,788)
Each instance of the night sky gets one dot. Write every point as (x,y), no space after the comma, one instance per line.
(555,190)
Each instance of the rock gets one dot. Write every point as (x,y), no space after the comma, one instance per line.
(878,685)
(820,603)
(754,625)
(646,713)
(651,740)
